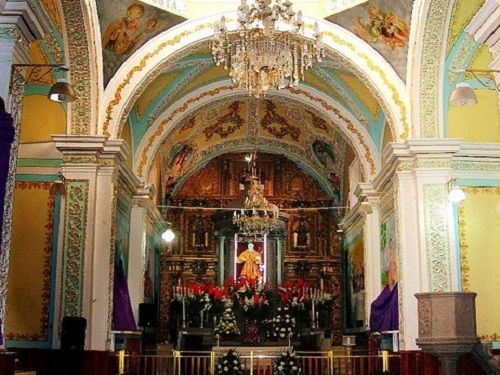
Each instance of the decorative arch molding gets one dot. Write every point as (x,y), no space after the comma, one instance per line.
(430,22)
(356,134)
(80,27)
(274,147)
(381,76)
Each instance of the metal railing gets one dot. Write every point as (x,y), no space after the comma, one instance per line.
(205,362)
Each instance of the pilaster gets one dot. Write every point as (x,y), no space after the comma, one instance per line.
(90,170)
(372,245)
(421,172)
(142,210)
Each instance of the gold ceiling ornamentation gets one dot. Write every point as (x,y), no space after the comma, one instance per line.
(257,217)
(268,50)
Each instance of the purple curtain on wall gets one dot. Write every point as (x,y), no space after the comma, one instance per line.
(123,316)
(384,314)
(6,139)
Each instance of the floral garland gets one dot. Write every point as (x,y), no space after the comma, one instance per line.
(230,363)
(286,364)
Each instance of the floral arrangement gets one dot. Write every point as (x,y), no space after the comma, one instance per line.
(253,298)
(227,326)
(256,300)
(282,325)
(230,363)
(286,364)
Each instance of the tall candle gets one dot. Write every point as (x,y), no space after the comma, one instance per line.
(313,314)
(183,312)
(201,318)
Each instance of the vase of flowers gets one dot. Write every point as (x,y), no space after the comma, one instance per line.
(230,364)
(227,326)
(286,364)
(282,326)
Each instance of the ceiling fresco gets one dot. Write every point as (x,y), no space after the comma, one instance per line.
(195,70)
(241,124)
(385,25)
(125,27)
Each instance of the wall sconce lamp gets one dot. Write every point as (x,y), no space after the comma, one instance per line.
(60,92)
(365,208)
(463,95)
(456,194)
(168,235)
(59,185)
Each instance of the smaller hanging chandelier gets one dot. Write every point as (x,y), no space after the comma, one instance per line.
(259,55)
(257,217)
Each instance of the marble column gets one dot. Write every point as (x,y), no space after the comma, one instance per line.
(220,257)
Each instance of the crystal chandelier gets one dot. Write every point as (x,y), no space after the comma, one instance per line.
(259,55)
(258,216)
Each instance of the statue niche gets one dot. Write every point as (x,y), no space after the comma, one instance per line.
(199,234)
(301,236)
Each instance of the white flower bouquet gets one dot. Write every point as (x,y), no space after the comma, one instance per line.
(230,364)
(286,364)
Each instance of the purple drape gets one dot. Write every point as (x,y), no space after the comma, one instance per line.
(123,316)
(384,314)
(6,139)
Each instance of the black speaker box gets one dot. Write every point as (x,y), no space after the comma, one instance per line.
(73,333)
(147,315)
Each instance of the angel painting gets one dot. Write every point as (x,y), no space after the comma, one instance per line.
(383,26)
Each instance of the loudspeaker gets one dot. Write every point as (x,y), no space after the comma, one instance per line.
(73,333)
(147,315)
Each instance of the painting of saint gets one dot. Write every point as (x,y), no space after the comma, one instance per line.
(388,253)
(122,34)
(126,25)
(324,153)
(355,279)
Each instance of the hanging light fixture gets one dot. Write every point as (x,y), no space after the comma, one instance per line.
(257,216)
(62,92)
(259,55)
(463,95)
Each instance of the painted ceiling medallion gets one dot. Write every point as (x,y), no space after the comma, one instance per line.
(268,49)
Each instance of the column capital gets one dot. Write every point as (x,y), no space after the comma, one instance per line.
(94,149)
(22,22)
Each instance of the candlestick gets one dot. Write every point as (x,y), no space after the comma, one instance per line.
(385,361)
(183,312)
(313,315)
(201,318)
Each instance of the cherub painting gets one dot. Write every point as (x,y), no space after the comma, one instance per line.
(384,26)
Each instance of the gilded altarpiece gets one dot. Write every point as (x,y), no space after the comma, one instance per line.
(307,246)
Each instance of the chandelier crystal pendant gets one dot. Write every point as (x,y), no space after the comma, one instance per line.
(268,49)
(257,217)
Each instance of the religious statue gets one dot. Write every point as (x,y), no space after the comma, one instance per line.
(301,236)
(251,260)
(199,235)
